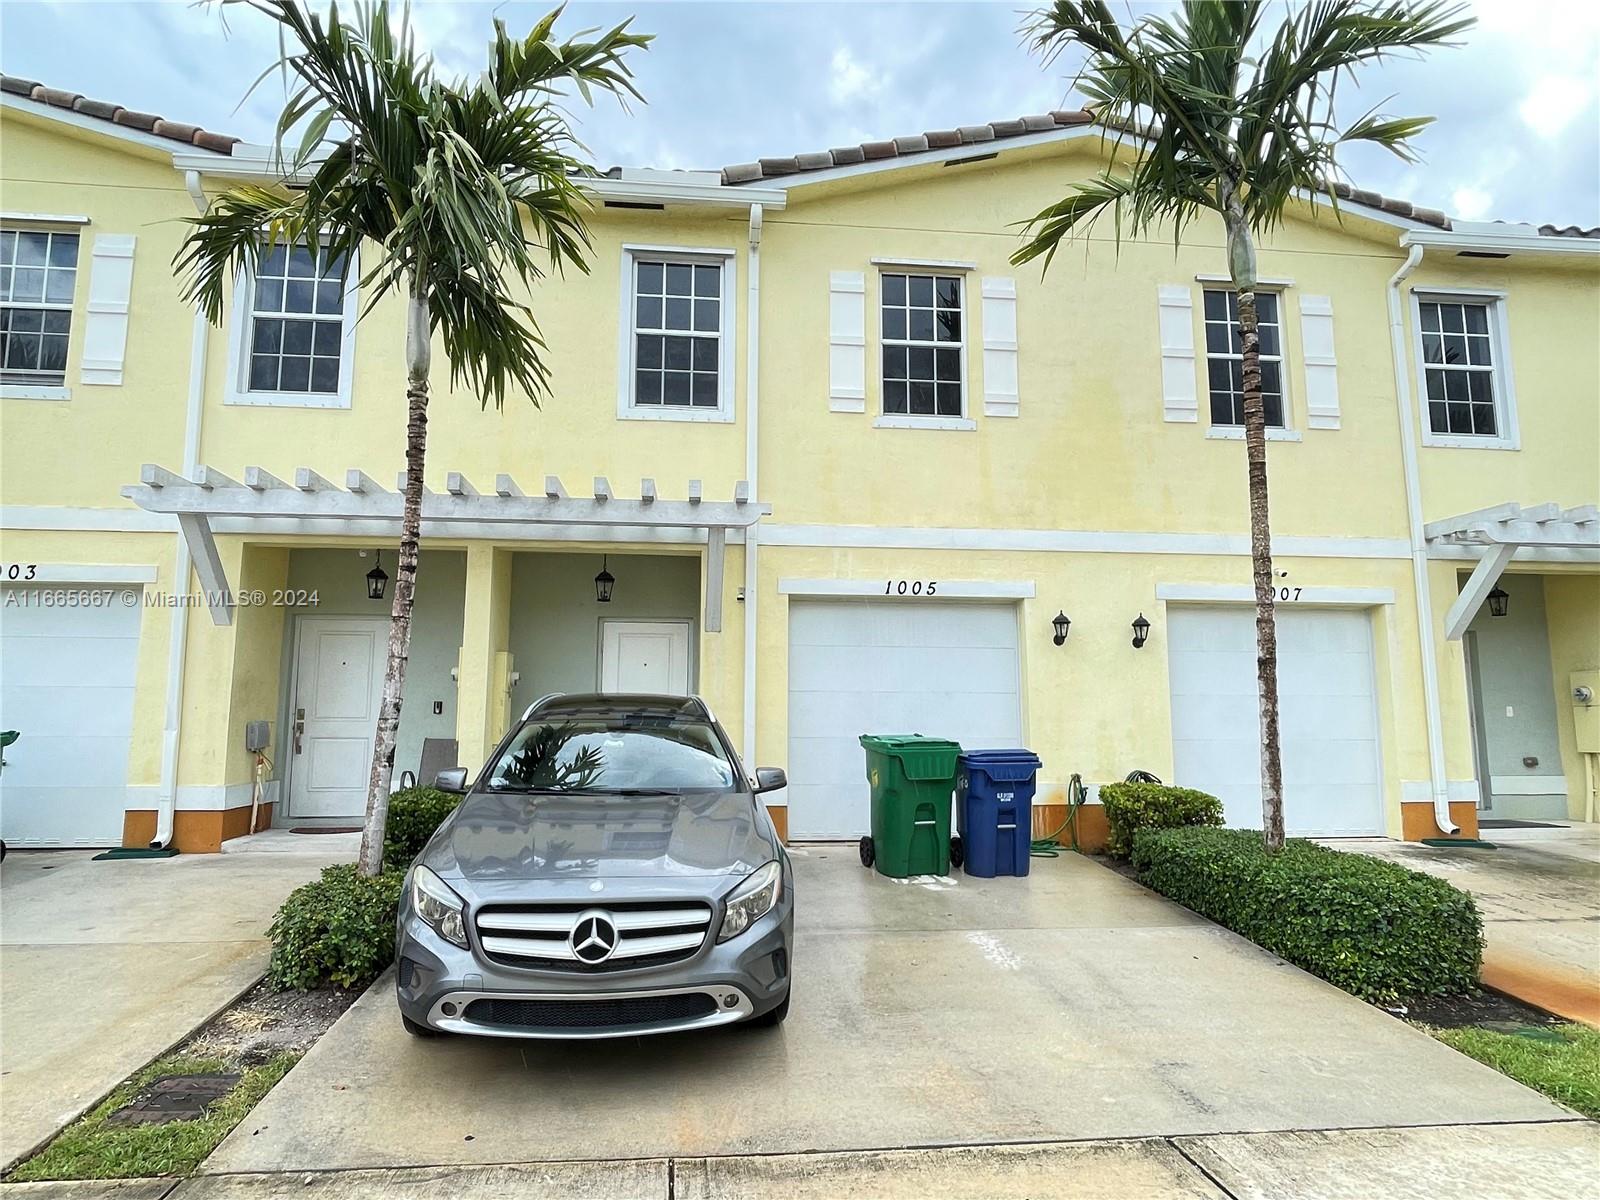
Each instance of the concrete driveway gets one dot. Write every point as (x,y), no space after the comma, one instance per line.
(1070,1005)
(104,965)
(1539,893)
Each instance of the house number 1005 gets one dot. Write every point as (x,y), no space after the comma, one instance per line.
(910,587)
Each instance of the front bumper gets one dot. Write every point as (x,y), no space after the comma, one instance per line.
(452,990)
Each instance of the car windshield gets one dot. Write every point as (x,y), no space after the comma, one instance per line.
(619,755)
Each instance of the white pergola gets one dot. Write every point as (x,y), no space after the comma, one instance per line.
(1500,532)
(507,512)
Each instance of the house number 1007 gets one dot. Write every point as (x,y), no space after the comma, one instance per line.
(910,587)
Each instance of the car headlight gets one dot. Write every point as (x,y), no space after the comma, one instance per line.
(752,900)
(438,906)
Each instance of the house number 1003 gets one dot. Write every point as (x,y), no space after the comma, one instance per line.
(910,587)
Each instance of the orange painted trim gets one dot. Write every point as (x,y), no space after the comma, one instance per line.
(193,831)
(1543,984)
(1416,820)
(780,820)
(1092,828)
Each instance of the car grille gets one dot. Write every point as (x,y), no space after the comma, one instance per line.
(592,1014)
(649,934)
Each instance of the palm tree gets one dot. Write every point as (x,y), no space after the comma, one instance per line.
(1212,114)
(459,191)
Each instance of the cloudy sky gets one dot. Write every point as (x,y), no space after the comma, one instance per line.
(1518,135)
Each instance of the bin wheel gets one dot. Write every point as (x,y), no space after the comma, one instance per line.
(958,853)
(868,855)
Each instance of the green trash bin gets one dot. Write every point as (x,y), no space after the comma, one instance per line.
(912,778)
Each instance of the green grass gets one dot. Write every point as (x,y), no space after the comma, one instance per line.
(1565,1067)
(89,1148)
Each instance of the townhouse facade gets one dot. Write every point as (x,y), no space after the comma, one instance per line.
(816,451)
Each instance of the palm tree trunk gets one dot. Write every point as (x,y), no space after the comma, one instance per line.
(1242,261)
(419,353)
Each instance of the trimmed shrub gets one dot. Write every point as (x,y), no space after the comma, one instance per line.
(339,929)
(1376,929)
(414,814)
(1131,807)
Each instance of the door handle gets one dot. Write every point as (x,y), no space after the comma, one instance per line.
(299,727)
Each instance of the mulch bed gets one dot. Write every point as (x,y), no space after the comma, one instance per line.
(263,1023)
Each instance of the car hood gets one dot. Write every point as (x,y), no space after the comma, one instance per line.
(514,836)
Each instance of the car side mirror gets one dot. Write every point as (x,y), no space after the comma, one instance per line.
(770,779)
(453,779)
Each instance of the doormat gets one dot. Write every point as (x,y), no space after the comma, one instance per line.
(1509,823)
(1459,843)
(175,1098)
(326,829)
(133,852)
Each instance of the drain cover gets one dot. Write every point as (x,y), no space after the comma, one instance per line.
(175,1098)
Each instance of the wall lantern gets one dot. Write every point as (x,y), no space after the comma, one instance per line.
(1061,625)
(1499,603)
(603,583)
(1141,631)
(377,580)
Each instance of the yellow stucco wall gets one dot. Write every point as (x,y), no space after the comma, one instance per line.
(1572,616)
(1090,451)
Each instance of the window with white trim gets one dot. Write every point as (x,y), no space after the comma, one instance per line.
(679,349)
(294,333)
(922,335)
(1459,366)
(38,277)
(1225,357)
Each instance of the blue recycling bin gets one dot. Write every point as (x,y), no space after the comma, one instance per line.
(994,810)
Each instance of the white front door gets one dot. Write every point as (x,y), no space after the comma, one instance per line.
(338,683)
(66,685)
(1327,716)
(939,668)
(645,656)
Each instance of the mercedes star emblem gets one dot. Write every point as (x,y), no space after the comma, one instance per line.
(593,938)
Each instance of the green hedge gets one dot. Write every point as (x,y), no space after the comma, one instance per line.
(1376,929)
(339,929)
(414,813)
(1130,807)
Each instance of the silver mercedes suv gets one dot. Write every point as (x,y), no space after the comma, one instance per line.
(610,872)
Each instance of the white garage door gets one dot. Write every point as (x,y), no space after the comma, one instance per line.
(66,684)
(1328,719)
(863,666)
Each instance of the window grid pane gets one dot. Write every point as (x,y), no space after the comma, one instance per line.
(922,345)
(1225,357)
(677,322)
(1458,368)
(297,321)
(38,278)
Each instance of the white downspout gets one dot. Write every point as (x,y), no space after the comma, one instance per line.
(178,637)
(752,458)
(1437,781)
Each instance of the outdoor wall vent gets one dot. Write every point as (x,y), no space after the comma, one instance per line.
(640,204)
(972,158)
(1481,254)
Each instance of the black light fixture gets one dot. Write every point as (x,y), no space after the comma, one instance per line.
(603,583)
(1499,603)
(1141,631)
(377,580)
(1061,625)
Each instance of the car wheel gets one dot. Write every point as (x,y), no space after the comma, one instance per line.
(773,1016)
(416,1030)
(867,854)
(958,853)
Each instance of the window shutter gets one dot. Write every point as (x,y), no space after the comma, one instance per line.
(1179,400)
(847,341)
(1322,370)
(1000,385)
(105,328)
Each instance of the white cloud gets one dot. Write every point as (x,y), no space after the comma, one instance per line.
(1471,203)
(1554,102)
(848,80)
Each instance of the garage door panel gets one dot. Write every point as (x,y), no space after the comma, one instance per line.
(1327,709)
(66,683)
(865,666)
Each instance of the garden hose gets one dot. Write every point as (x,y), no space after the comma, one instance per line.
(1049,847)
(1138,776)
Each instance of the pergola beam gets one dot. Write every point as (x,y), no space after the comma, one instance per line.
(196,532)
(1484,576)
(716,548)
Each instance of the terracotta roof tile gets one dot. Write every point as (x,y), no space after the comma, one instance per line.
(115,114)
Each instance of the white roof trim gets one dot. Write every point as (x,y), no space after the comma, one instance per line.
(1502,243)
(66,116)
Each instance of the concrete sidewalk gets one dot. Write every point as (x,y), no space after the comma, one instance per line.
(1541,1161)
(1539,893)
(104,965)
(1069,1005)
